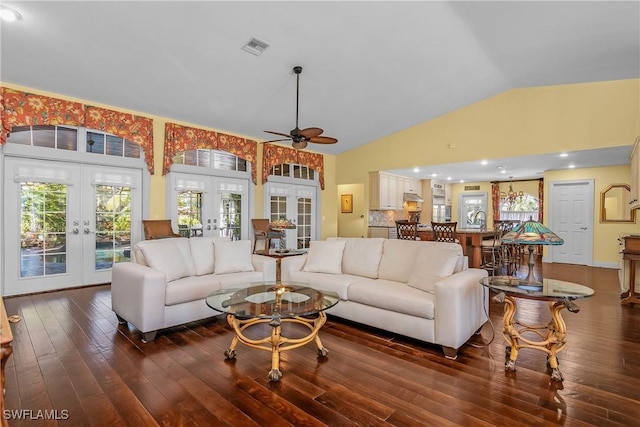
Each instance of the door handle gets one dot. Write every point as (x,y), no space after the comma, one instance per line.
(583,228)
(75,231)
(87,230)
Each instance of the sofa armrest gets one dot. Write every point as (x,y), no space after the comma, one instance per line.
(266,265)
(461,307)
(138,295)
(290,264)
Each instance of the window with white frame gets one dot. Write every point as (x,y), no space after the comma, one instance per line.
(207,158)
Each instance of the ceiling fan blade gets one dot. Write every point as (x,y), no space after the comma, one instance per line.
(323,140)
(278,133)
(275,140)
(299,145)
(310,132)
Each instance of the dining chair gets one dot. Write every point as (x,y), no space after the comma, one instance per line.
(158,229)
(407,230)
(444,231)
(262,231)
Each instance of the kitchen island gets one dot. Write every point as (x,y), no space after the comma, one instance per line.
(468,237)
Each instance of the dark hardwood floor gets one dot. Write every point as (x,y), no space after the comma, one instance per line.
(71,356)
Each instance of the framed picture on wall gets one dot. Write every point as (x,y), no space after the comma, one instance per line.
(346,203)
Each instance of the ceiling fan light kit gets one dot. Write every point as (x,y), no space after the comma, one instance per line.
(301,137)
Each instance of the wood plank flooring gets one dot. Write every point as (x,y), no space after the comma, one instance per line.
(74,362)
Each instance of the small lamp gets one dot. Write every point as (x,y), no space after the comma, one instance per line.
(531,233)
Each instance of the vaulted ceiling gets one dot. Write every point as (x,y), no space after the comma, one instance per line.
(370,68)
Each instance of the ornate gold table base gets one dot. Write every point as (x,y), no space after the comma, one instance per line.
(552,335)
(276,343)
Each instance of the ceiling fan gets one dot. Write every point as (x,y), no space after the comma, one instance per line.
(301,137)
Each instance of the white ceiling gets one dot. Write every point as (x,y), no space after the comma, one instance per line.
(370,68)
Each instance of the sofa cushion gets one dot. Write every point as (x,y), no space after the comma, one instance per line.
(398,257)
(171,256)
(361,257)
(232,257)
(435,261)
(325,257)
(392,296)
(203,254)
(191,288)
(338,283)
(239,280)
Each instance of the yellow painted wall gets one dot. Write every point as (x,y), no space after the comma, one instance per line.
(515,123)
(328,223)
(605,235)
(352,224)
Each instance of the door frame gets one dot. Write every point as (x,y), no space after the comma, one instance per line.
(552,188)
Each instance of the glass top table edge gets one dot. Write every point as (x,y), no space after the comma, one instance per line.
(549,289)
(216,299)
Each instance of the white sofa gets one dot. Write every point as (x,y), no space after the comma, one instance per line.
(167,281)
(422,290)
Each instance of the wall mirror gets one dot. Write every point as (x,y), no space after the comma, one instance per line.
(614,204)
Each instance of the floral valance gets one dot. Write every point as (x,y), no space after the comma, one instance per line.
(26,109)
(180,138)
(134,128)
(276,155)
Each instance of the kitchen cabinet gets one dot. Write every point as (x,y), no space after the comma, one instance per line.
(384,232)
(383,191)
(386,190)
(635,176)
(447,194)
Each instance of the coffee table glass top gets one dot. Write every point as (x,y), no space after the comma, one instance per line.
(272,299)
(549,289)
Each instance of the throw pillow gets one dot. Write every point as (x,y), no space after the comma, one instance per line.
(167,256)
(232,256)
(325,257)
(433,264)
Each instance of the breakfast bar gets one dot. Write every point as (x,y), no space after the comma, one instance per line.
(468,237)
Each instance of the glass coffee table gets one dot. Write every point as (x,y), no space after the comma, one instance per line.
(551,336)
(274,303)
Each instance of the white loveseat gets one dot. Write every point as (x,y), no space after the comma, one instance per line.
(167,281)
(422,290)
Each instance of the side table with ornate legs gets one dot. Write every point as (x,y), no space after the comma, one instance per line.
(549,338)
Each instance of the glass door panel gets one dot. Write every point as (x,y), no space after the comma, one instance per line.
(209,206)
(43,224)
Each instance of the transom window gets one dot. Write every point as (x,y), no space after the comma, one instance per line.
(66,138)
(208,158)
(293,171)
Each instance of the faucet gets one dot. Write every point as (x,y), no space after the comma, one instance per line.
(483,222)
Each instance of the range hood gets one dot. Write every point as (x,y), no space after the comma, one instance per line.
(410,197)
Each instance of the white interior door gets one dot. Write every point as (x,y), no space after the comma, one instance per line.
(51,211)
(570,214)
(203,205)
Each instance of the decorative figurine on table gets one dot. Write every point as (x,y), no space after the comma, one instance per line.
(281,225)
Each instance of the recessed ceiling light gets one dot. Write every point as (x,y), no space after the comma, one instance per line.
(571,166)
(564,154)
(449,178)
(435,174)
(484,163)
(9,15)
(416,170)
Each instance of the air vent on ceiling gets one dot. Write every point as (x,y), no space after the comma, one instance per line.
(255,46)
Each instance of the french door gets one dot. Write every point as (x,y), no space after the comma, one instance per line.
(66,224)
(203,205)
(297,203)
